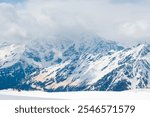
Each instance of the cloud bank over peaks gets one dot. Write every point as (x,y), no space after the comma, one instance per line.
(44,19)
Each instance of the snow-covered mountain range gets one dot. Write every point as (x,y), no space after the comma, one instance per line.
(89,64)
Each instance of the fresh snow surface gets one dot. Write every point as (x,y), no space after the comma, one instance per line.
(142,94)
(10,54)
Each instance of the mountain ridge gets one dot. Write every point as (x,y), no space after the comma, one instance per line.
(97,65)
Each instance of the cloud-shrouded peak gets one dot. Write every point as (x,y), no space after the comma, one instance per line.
(42,19)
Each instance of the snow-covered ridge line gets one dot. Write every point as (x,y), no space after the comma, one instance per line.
(97,65)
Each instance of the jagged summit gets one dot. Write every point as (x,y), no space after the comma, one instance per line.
(64,65)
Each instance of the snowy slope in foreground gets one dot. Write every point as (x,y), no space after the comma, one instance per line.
(143,94)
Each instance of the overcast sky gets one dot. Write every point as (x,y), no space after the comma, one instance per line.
(126,21)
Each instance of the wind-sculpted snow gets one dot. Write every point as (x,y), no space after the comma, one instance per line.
(65,65)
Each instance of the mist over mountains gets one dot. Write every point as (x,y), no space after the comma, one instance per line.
(61,45)
(91,64)
(26,20)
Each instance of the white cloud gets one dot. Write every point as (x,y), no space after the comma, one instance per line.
(45,18)
(128,1)
(134,29)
